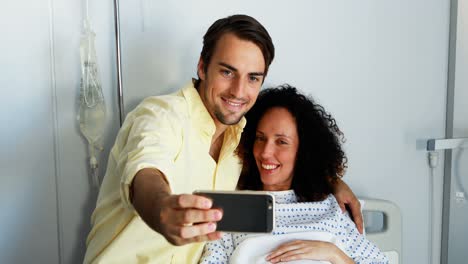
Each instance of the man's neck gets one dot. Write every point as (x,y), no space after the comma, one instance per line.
(217,144)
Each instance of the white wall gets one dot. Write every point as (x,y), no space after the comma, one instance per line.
(27,197)
(46,196)
(379,66)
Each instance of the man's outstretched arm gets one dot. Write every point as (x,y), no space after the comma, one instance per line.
(181,219)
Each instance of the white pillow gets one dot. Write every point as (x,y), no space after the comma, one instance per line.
(255,249)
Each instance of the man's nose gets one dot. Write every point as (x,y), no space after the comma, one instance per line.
(238,88)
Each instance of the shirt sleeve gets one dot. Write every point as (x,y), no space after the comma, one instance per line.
(357,246)
(153,139)
(218,251)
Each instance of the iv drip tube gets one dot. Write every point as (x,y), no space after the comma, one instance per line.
(119,64)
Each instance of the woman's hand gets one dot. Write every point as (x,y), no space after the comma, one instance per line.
(344,196)
(308,249)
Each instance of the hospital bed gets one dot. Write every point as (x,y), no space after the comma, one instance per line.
(382,222)
(388,237)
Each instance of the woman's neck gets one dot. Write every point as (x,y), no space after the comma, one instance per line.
(276,188)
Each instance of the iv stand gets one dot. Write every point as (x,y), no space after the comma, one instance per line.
(119,63)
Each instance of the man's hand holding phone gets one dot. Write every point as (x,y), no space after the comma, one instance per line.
(181,219)
(188,218)
(243,211)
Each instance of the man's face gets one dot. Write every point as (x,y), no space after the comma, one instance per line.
(232,81)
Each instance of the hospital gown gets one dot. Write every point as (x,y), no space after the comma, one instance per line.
(294,217)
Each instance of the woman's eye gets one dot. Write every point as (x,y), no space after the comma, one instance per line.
(259,138)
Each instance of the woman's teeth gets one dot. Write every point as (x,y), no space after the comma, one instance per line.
(269,167)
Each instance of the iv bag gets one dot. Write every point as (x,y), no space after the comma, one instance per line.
(92,111)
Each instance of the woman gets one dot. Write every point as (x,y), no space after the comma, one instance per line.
(292,148)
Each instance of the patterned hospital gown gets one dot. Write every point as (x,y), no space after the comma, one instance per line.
(292,216)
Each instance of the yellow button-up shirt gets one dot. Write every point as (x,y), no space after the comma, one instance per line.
(173,134)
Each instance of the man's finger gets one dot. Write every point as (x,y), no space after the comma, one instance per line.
(359,224)
(199,231)
(179,235)
(342,206)
(190,201)
(357,215)
(190,216)
(208,237)
(215,235)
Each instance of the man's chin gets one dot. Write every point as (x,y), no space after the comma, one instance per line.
(229,119)
(233,122)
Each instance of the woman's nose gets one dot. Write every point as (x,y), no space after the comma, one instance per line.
(267,149)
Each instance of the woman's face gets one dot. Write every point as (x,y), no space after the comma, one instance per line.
(275,148)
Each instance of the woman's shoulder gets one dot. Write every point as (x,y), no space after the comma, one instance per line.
(284,197)
(327,204)
(329,200)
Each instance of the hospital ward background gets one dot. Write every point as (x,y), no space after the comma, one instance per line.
(394,74)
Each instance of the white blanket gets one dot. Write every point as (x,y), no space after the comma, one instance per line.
(255,249)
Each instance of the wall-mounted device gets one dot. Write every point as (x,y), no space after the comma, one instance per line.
(441,144)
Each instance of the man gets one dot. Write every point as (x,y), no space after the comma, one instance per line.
(171,145)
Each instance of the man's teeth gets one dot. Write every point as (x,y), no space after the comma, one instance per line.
(269,167)
(232,103)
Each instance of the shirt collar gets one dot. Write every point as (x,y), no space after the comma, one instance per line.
(284,197)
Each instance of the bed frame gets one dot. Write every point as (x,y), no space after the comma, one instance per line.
(388,239)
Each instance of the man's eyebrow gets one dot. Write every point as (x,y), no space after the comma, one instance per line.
(228,66)
(256,74)
(235,70)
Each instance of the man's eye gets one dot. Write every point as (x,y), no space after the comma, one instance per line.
(226,73)
(254,79)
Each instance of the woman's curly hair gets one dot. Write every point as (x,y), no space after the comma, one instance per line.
(320,160)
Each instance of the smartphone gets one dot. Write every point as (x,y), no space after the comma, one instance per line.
(243,211)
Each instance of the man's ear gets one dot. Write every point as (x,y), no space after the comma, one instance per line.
(201,69)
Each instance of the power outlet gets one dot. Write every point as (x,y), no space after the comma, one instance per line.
(460,197)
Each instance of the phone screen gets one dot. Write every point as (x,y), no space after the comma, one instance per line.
(243,211)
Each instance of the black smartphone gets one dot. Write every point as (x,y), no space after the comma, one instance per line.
(243,211)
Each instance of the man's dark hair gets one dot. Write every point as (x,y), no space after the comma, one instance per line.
(243,27)
(320,160)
